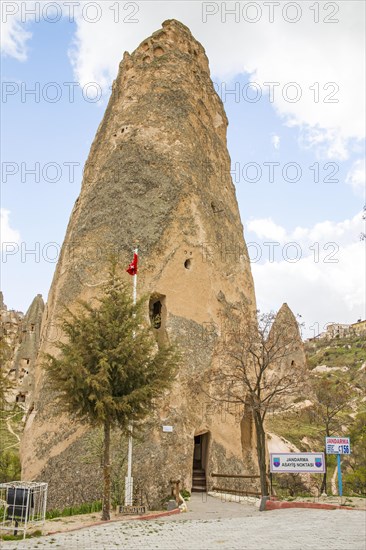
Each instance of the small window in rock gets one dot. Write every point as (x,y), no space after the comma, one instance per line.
(156,314)
(32,328)
(20,398)
(187,264)
(27,360)
(157,311)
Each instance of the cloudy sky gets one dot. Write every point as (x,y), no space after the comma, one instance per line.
(291,77)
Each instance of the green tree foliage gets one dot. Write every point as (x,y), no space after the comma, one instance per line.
(331,407)
(356,474)
(332,403)
(109,370)
(9,466)
(9,456)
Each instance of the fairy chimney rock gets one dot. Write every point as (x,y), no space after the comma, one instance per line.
(286,329)
(158,173)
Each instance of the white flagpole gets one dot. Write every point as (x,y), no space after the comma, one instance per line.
(129,478)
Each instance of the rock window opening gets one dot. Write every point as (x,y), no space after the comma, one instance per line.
(20,398)
(187,264)
(156,314)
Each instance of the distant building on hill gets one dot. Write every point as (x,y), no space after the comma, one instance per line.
(340,330)
(359,328)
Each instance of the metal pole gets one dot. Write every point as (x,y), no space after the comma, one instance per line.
(340,486)
(129,478)
(271,483)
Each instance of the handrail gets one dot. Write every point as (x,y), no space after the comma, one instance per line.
(235,491)
(236,476)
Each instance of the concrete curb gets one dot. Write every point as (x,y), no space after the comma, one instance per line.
(160,514)
(95,524)
(280,505)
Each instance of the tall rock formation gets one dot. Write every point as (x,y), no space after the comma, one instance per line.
(27,352)
(21,333)
(158,173)
(11,328)
(286,329)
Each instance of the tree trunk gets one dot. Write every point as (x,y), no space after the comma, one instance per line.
(261,452)
(323,488)
(107,472)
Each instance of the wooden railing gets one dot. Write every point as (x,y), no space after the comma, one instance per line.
(236,491)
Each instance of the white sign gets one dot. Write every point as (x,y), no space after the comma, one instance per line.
(337,445)
(297,463)
(167,428)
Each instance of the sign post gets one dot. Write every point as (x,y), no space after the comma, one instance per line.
(338,446)
(297,463)
(340,485)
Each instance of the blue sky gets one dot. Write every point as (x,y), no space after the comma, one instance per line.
(323,218)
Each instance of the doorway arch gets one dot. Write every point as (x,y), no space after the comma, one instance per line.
(200,461)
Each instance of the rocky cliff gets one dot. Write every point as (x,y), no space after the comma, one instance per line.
(158,173)
(21,334)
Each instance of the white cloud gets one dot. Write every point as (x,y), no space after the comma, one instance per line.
(321,292)
(312,55)
(326,284)
(14,36)
(266,228)
(342,233)
(305,53)
(356,177)
(276,141)
(8,234)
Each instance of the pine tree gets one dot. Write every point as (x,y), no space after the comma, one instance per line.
(109,369)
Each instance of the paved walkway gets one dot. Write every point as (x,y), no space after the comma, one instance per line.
(292,529)
(202,507)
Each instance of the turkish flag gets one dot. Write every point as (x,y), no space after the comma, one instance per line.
(132,268)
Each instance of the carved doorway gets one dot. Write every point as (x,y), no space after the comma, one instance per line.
(200,455)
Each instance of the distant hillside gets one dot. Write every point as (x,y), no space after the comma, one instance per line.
(337,376)
(339,352)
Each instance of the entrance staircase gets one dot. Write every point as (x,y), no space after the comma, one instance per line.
(199,480)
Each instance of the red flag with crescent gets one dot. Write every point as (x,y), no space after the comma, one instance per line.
(132,268)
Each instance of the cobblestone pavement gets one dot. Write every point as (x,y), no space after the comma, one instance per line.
(290,529)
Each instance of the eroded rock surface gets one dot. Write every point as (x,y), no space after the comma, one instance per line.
(158,173)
